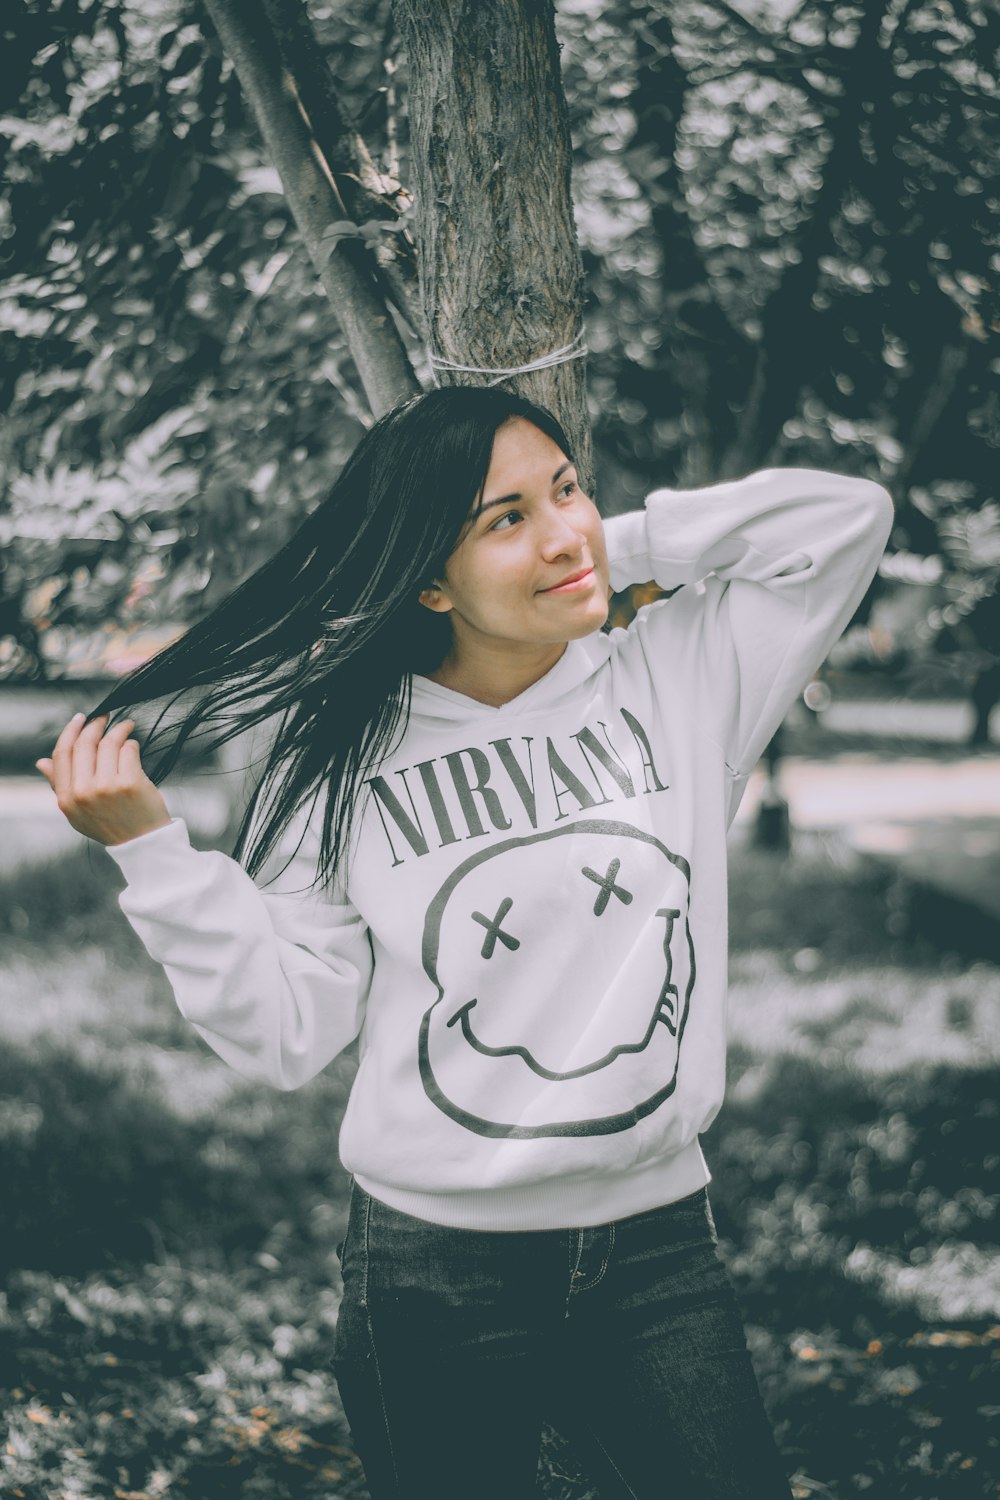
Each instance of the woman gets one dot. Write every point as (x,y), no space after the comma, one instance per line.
(501,830)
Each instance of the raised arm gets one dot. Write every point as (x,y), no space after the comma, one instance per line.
(776,564)
(275,980)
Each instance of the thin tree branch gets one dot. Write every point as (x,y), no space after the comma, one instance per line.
(928,415)
(366,193)
(743,23)
(787,315)
(786,72)
(343,266)
(686,290)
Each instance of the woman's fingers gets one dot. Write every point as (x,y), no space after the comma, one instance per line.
(85,756)
(61,779)
(129,761)
(109,752)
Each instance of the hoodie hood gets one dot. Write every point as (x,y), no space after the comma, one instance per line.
(581,659)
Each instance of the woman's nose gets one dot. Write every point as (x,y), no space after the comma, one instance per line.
(562,535)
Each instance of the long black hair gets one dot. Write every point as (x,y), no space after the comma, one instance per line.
(321,641)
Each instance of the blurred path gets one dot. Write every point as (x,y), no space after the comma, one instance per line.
(939,822)
(947,720)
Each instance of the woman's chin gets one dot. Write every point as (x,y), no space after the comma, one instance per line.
(589,620)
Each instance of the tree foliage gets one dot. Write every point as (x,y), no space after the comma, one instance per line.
(789,225)
(172,350)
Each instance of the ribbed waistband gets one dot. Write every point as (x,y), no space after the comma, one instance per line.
(556,1202)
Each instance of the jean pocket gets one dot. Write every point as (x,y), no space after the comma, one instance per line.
(354,1228)
(674,1228)
(693,1206)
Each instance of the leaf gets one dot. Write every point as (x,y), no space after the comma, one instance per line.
(370,232)
(340,229)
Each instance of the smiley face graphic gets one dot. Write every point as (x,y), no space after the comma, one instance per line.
(563,967)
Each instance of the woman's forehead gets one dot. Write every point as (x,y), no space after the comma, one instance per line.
(523,458)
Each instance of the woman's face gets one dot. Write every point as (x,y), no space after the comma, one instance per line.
(506,580)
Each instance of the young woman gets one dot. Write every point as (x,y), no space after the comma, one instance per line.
(498,837)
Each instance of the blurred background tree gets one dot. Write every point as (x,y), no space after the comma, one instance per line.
(790,236)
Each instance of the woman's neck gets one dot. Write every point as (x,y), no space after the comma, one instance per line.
(495,677)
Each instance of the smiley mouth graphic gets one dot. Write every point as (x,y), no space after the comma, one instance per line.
(664,1013)
(575,999)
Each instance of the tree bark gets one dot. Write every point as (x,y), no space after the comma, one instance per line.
(501,279)
(345,269)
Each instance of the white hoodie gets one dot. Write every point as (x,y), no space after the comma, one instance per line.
(529,936)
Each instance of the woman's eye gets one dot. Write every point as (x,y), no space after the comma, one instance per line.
(497,525)
(565,489)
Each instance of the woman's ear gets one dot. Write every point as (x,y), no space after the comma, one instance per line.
(434,598)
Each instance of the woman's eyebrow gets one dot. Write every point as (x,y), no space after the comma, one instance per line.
(506,499)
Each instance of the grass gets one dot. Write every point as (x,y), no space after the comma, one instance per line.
(171,1285)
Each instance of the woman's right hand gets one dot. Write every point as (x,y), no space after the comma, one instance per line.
(100,786)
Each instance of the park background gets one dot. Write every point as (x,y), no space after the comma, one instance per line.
(787,223)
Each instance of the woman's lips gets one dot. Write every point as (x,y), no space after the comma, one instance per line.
(573,585)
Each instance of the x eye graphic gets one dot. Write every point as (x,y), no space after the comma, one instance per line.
(608,886)
(494,929)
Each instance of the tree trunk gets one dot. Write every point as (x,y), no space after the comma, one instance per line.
(501,279)
(344,268)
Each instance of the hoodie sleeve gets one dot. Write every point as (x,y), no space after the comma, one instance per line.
(274,981)
(777,563)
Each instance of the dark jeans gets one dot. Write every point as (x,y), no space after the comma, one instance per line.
(455,1346)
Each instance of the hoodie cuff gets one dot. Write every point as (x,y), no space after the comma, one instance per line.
(151,853)
(627,546)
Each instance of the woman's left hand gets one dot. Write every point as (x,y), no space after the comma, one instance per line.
(100,786)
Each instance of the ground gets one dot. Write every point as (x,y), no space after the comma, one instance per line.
(171,1282)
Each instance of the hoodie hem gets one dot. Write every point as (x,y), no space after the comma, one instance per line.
(558,1202)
